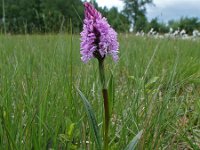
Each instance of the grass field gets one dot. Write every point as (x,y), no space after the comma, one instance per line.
(156,88)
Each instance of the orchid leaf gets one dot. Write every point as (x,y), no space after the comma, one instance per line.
(92,120)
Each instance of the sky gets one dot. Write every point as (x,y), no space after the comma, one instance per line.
(164,10)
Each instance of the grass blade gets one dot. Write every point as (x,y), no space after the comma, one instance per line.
(111,94)
(9,137)
(92,119)
(134,141)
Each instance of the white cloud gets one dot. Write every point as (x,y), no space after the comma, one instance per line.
(173,9)
(163,9)
(110,3)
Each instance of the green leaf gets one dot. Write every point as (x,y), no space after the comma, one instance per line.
(151,82)
(134,141)
(111,94)
(70,130)
(92,119)
(132,77)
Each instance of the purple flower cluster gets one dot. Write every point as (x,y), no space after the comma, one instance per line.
(98,39)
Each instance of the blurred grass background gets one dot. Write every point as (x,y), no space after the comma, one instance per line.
(157,89)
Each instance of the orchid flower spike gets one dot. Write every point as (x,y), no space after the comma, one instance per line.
(98,38)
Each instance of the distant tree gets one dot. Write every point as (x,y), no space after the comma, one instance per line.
(116,19)
(154,24)
(135,10)
(157,26)
(141,23)
(42,15)
(188,24)
(58,14)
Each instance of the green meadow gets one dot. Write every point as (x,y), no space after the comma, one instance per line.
(155,83)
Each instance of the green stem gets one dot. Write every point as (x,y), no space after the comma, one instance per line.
(102,73)
(106,119)
(106,104)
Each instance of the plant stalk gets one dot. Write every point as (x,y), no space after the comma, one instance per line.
(106,103)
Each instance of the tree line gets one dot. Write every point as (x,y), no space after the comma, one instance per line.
(47,16)
(184,23)
(30,16)
(52,16)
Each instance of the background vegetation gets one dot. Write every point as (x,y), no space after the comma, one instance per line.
(49,16)
(156,82)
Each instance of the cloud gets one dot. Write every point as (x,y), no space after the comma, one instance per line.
(173,9)
(164,10)
(110,3)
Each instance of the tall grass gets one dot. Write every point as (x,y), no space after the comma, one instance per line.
(156,82)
